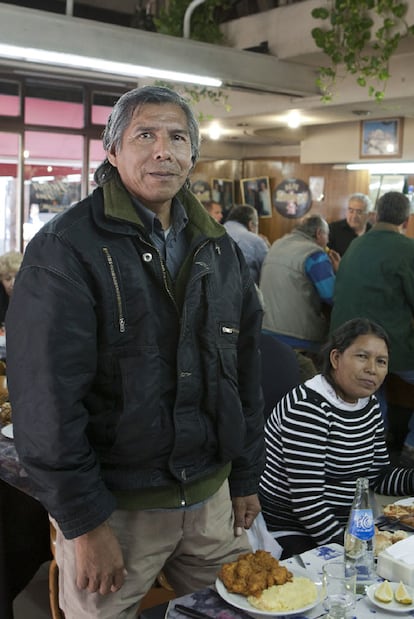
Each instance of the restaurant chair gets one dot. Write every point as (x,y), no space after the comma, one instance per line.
(55,611)
(160,592)
(280,370)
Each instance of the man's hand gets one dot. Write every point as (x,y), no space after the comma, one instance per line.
(99,561)
(245,510)
(335,259)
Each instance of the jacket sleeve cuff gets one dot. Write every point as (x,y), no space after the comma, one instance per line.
(83,520)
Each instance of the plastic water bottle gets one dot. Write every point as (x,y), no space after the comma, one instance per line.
(359,536)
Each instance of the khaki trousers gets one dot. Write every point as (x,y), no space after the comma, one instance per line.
(190,545)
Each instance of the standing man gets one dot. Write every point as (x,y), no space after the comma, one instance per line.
(297,283)
(375,280)
(243,226)
(342,232)
(134,372)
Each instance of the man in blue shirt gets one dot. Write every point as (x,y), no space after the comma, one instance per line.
(297,282)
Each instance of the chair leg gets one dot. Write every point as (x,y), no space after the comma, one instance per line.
(55,611)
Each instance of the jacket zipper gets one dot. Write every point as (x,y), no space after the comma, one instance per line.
(230,330)
(163,270)
(121,317)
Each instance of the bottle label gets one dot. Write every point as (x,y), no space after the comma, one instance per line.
(362,524)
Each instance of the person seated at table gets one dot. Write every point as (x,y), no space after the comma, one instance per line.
(214,209)
(243,226)
(322,436)
(9,265)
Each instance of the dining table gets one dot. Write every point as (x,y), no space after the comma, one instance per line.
(209,602)
(24,529)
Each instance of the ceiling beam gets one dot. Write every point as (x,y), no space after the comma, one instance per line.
(257,72)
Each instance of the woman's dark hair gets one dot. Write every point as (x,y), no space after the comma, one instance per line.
(345,335)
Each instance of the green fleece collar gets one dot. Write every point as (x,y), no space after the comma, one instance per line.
(118,205)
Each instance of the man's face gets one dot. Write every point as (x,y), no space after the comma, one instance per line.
(216,212)
(356,215)
(322,236)
(155,155)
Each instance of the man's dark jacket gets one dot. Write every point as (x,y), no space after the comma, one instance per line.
(120,380)
(341,235)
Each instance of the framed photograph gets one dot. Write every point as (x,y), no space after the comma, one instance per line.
(381,139)
(222,192)
(202,190)
(256,192)
(317,188)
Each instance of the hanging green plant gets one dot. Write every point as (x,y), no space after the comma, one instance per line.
(204,26)
(360,38)
(196,94)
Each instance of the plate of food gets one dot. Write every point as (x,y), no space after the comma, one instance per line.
(258,583)
(392,596)
(401,510)
(7,431)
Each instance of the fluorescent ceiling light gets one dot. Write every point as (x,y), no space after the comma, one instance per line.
(30,54)
(404,167)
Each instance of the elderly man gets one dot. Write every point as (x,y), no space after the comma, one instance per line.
(297,282)
(375,280)
(243,225)
(342,232)
(134,372)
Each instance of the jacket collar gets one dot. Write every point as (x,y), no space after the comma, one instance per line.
(118,206)
(383,225)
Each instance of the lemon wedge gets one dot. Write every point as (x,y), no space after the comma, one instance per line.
(384,593)
(401,595)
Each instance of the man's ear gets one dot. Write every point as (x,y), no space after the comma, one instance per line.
(111,158)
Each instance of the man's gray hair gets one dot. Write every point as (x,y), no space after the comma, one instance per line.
(121,117)
(393,208)
(311,224)
(242,213)
(362,197)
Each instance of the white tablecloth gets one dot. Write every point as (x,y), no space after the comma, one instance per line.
(364,609)
(209,602)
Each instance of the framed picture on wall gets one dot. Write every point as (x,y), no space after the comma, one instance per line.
(222,192)
(381,139)
(256,192)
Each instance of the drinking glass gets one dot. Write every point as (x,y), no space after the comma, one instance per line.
(339,583)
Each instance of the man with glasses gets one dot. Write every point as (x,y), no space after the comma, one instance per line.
(342,232)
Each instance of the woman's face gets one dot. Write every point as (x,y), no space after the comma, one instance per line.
(8,282)
(360,370)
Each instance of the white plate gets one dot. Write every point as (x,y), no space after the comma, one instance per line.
(393,606)
(406,501)
(240,601)
(7,431)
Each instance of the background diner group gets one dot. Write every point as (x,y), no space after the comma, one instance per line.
(189,374)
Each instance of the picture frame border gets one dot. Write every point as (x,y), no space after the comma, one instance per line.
(256,179)
(397,137)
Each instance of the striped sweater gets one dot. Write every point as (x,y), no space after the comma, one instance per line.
(317,445)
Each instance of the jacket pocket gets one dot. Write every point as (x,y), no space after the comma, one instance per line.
(231,424)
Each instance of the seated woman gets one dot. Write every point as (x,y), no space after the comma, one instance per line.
(9,265)
(322,436)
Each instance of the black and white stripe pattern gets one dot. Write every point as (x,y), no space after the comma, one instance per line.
(316,447)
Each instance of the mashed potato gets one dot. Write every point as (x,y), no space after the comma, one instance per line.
(296,594)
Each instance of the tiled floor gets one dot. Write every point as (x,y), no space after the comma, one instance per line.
(33,602)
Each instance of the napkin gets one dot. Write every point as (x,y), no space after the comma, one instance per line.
(403,550)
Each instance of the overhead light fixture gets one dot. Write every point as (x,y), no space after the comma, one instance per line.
(214,131)
(33,55)
(294,119)
(404,167)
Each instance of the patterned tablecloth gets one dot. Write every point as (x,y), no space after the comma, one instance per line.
(210,602)
(11,471)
